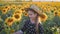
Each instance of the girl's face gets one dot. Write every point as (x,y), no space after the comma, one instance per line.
(32,15)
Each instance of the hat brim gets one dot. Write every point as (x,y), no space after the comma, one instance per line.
(27,9)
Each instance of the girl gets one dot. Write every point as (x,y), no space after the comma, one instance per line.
(32,26)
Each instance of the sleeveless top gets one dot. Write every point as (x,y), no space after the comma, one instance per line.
(29,28)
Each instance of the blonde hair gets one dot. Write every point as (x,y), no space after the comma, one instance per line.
(37,22)
(39,19)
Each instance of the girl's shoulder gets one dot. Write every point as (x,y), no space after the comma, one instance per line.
(27,21)
(40,25)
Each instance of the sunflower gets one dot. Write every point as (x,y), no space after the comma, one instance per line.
(44,9)
(19,7)
(52,8)
(19,11)
(48,8)
(56,13)
(25,14)
(23,11)
(13,6)
(4,11)
(43,17)
(59,9)
(17,16)
(55,8)
(38,4)
(42,6)
(9,21)
(7,7)
(22,7)
(27,5)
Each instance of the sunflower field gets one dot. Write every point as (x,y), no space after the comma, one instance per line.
(13,16)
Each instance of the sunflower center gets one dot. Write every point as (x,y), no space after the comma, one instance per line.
(16,16)
(4,10)
(43,16)
(10,20)
(56,13)
(6,7)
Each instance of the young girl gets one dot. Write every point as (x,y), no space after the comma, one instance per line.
(32,26)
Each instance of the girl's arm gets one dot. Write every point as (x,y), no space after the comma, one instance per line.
(18,32)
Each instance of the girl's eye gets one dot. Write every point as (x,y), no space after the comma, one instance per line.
(30,14)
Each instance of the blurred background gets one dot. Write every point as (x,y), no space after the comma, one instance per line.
(13,15)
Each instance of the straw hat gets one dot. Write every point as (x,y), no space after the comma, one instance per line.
(37,10)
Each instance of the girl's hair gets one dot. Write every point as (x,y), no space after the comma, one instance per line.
(36,20)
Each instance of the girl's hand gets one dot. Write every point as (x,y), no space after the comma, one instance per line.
(18,32)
